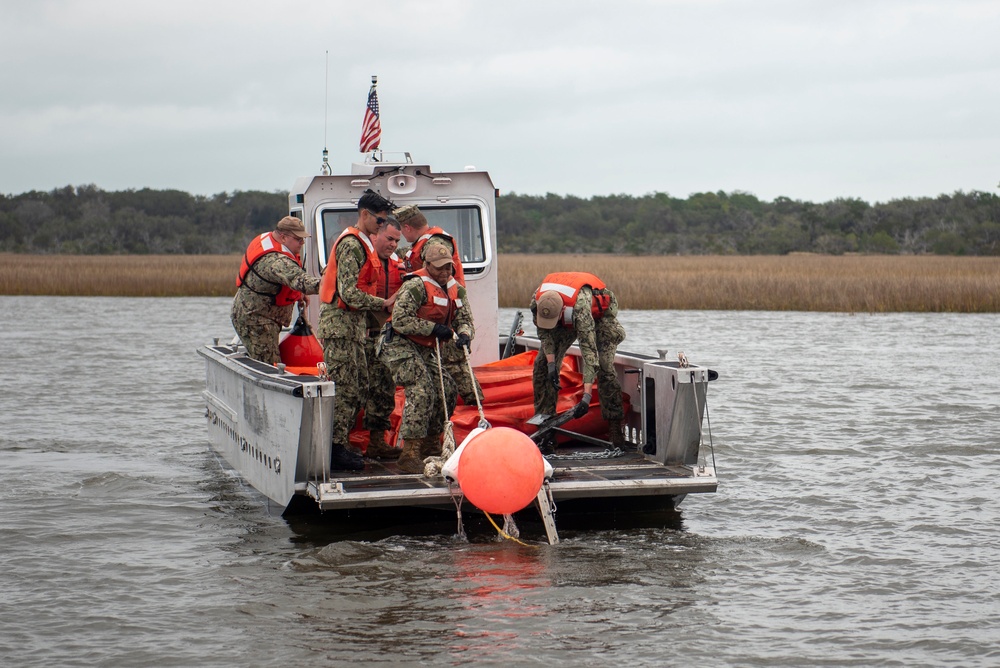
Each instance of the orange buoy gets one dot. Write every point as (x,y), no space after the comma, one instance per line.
(500,471)
(300,348)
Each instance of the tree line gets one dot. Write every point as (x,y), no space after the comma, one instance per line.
(88,220)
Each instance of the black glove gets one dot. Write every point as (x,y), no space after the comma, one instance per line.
(581,408)
(442,332)
(464,342)
(554,375)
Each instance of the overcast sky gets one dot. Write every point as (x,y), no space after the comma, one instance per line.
(812,100)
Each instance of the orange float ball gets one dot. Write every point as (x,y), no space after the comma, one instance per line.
(500,471)
(300,350)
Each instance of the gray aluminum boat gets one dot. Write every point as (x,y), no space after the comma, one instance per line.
(273,426)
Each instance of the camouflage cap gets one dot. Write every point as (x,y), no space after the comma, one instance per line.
(292,225)
(438,256)
(410,215)
(549,309)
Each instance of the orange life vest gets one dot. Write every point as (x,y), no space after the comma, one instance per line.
(414,261)
(568,285)
(368,278)
(258,248)
(440,306)
(390,281)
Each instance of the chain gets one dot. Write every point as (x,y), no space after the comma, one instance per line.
(607,454)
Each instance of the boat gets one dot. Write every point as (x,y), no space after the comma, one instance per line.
(271,424)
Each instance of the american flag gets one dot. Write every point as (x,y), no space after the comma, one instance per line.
(371,129)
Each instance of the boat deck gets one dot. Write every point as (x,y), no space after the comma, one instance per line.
(580,472)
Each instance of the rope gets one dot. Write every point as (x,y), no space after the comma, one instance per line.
(457,500)
(324,376)
(697,409)
(479,404)
(433,465)
(701,432)
(711,445)
(504,533)
(510,526)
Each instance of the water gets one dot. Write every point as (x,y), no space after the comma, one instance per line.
(856,522)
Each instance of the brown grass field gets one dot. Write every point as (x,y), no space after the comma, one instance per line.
(874,284)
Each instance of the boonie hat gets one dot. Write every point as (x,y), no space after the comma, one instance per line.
(292,225)
(438,256)
(548,309)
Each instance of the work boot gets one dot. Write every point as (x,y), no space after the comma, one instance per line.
(547,446)
(342,459)
(430,446)
(411,461)
(615,435)
(378,448)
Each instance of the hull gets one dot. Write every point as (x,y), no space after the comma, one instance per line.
(273,427)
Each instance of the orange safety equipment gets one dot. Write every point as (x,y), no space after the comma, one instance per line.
(258,248)
(368,279)
(568,285)
(391,279)
(414,261)
(440,306)
(509,397)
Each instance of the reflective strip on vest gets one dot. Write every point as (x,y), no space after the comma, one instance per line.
(558,287)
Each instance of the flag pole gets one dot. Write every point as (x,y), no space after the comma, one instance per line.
(371,128)
(374,84)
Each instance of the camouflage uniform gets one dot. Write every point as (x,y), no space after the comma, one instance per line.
(343,334)
(598,340)
(415,367)
(256,318)
(381,388)
(452,356)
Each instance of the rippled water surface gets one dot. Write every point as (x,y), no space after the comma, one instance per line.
(856,522)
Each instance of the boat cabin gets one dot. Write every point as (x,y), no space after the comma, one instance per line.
(463,204)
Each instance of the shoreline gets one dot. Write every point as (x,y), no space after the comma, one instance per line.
(841,283)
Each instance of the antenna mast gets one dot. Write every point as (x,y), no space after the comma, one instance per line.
(325,168)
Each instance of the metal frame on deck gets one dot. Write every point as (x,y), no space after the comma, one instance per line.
(581,480)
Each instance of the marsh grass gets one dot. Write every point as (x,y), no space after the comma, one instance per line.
(119,275)
(773,283)
(776,283)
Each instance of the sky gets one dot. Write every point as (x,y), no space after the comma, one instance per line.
(811,100)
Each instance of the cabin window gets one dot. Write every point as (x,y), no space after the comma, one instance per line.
(464,222)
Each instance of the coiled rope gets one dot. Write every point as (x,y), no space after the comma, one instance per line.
(433,465)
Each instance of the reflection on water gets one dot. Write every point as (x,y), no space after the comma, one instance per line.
(492,587)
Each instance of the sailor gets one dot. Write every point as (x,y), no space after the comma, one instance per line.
(348,296)
(421,236)
(570,306)
(431,307)
(381,388)
(417,232)
(270,282)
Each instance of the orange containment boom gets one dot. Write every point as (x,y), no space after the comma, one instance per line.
(509,401)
